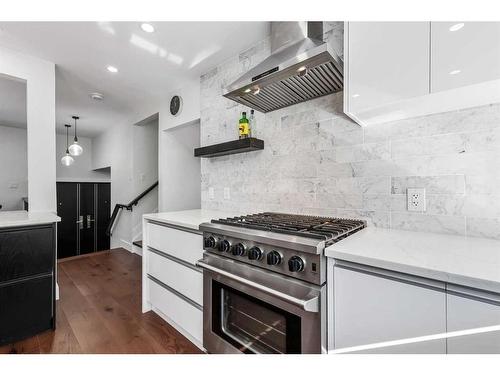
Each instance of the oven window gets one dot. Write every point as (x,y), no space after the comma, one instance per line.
(251,325)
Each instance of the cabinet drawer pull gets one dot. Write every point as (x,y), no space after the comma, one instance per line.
(394,275)
(171,290)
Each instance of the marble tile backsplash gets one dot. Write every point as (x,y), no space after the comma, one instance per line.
(317,161)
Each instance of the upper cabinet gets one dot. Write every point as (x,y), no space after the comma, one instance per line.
(388,61)
(398,70)
(464,53)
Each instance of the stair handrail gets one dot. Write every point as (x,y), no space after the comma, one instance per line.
(128,207)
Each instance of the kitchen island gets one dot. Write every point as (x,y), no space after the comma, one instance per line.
(387,285)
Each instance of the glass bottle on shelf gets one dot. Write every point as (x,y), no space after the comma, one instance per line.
(243,126)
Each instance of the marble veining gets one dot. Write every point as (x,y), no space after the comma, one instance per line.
(317,161)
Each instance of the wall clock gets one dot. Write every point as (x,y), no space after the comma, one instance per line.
(175,105)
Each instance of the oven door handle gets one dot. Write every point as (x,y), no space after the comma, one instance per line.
(311,305)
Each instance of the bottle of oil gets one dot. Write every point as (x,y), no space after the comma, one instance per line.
(244,127)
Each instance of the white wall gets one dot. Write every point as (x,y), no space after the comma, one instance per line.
(115,149)
(81,169)
(179,170)
(13,167)
(144,171)
(180,173)
(40,77)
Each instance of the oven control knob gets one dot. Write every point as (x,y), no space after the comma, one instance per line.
(210,242)
(255,253)
(238,249)
(295,264)
(273,258)
(224,246)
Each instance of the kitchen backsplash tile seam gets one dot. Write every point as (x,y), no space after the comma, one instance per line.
(317,161)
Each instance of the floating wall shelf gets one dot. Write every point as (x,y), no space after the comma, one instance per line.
(228,148)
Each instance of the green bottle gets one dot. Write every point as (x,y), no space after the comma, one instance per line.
(244,128)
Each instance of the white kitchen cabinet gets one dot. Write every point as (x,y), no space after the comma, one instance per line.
(400,70)
(374,306)
(172,284)
(466,56)
(387,62)
(467,309)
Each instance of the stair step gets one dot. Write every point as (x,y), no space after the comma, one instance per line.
(138,243)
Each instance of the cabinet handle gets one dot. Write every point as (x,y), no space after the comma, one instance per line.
(478,294)
(394,275)
(89,220)
(80,222)
(311,304)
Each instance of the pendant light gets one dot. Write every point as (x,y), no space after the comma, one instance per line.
(75,149)
(67,160)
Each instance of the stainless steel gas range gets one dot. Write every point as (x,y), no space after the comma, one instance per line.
(264,282)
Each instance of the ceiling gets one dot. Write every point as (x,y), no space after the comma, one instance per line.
(12,102)
(149,64)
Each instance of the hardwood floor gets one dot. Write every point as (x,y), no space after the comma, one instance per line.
(99,311)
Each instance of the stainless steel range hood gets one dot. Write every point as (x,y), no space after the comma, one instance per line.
(301,67)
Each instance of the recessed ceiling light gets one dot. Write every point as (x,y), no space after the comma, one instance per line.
(247,91)
(112,69)
(355,95)
(96,96)
(453,72)
(148,28)
(457,26)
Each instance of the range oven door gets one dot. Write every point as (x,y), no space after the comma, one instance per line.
(250,310)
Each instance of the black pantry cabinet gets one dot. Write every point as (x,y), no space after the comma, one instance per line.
(84,209)
(27,281)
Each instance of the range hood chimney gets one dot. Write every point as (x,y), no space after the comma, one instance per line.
(301,67)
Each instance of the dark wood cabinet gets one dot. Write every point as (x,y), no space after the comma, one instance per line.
(26,251)
(84,209)
(27,281)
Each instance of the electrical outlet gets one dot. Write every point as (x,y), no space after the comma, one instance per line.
(211,193)
(227,195)
(416,199)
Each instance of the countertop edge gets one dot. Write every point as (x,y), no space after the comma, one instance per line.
(174,223)
(189,219)
(30,219)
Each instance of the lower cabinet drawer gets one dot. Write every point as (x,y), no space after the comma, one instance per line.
(184,314)
(183,279)
(25,308)
(178,243)
(26,252)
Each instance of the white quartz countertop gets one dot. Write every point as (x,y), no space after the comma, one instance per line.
(22,218)
(467,261)
(190,219)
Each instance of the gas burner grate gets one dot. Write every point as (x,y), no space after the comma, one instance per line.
(322,228)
